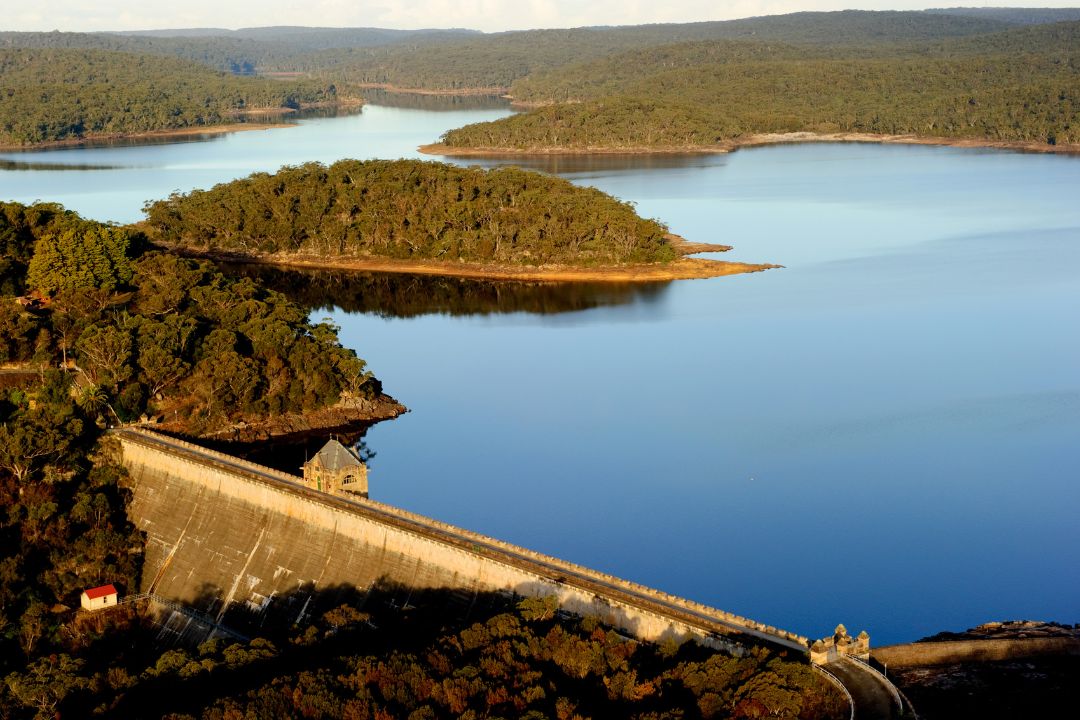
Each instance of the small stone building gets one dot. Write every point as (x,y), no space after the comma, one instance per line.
(831,649)
(337,470)
(99,598)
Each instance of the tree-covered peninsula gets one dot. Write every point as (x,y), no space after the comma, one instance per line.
(415,216)
(49,95)
(1020,87)
(142,333)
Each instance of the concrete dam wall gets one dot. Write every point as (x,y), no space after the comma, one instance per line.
(222,532)
(948,652)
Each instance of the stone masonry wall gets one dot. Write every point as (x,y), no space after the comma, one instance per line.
(957,651)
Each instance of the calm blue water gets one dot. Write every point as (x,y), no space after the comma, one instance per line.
(884,433)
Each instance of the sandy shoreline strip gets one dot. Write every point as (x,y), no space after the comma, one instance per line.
(682,269)
(754,141)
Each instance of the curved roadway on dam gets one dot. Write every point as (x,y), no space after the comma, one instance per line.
(873,697)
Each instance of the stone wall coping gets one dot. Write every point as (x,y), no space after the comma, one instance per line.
(292,483)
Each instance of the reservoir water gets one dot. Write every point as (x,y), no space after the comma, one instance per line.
(885,433)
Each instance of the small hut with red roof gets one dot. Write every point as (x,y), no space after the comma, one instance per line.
(100,597)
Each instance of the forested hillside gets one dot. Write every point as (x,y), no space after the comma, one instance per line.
(407,209)
(89,89)
(456,59)
(154,334)
(1023,85)
(243,52)
(1018,16)
(49,95)
(496,61)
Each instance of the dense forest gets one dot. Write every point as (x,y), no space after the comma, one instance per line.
(1023,85)
(496,61)
(395,652)
(243,52)
(145,333)
(48,95)
(455,59)
(407,209)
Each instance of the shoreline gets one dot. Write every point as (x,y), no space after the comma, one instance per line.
(461,92)
(681,269)
(346,413)
(221,129)
(192,131)
(757,140)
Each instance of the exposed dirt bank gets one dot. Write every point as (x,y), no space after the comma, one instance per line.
(348,412)
(752,141)
(685,247)
(682,269)
(427,91)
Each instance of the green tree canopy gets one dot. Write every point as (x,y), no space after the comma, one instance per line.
(408,209)
(89,256)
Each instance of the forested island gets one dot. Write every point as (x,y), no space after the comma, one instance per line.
(427,218)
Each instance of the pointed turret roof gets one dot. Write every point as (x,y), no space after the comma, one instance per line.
(335,456)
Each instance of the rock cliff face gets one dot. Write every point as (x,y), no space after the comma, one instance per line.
(350,412)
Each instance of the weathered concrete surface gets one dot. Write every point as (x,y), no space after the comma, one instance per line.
(873,698)
(223,531)
(962,651)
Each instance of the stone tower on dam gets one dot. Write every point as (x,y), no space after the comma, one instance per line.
(223,533)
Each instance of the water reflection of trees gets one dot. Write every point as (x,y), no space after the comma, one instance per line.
(401,295)
(16,165)
(571,164)
(434,103)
